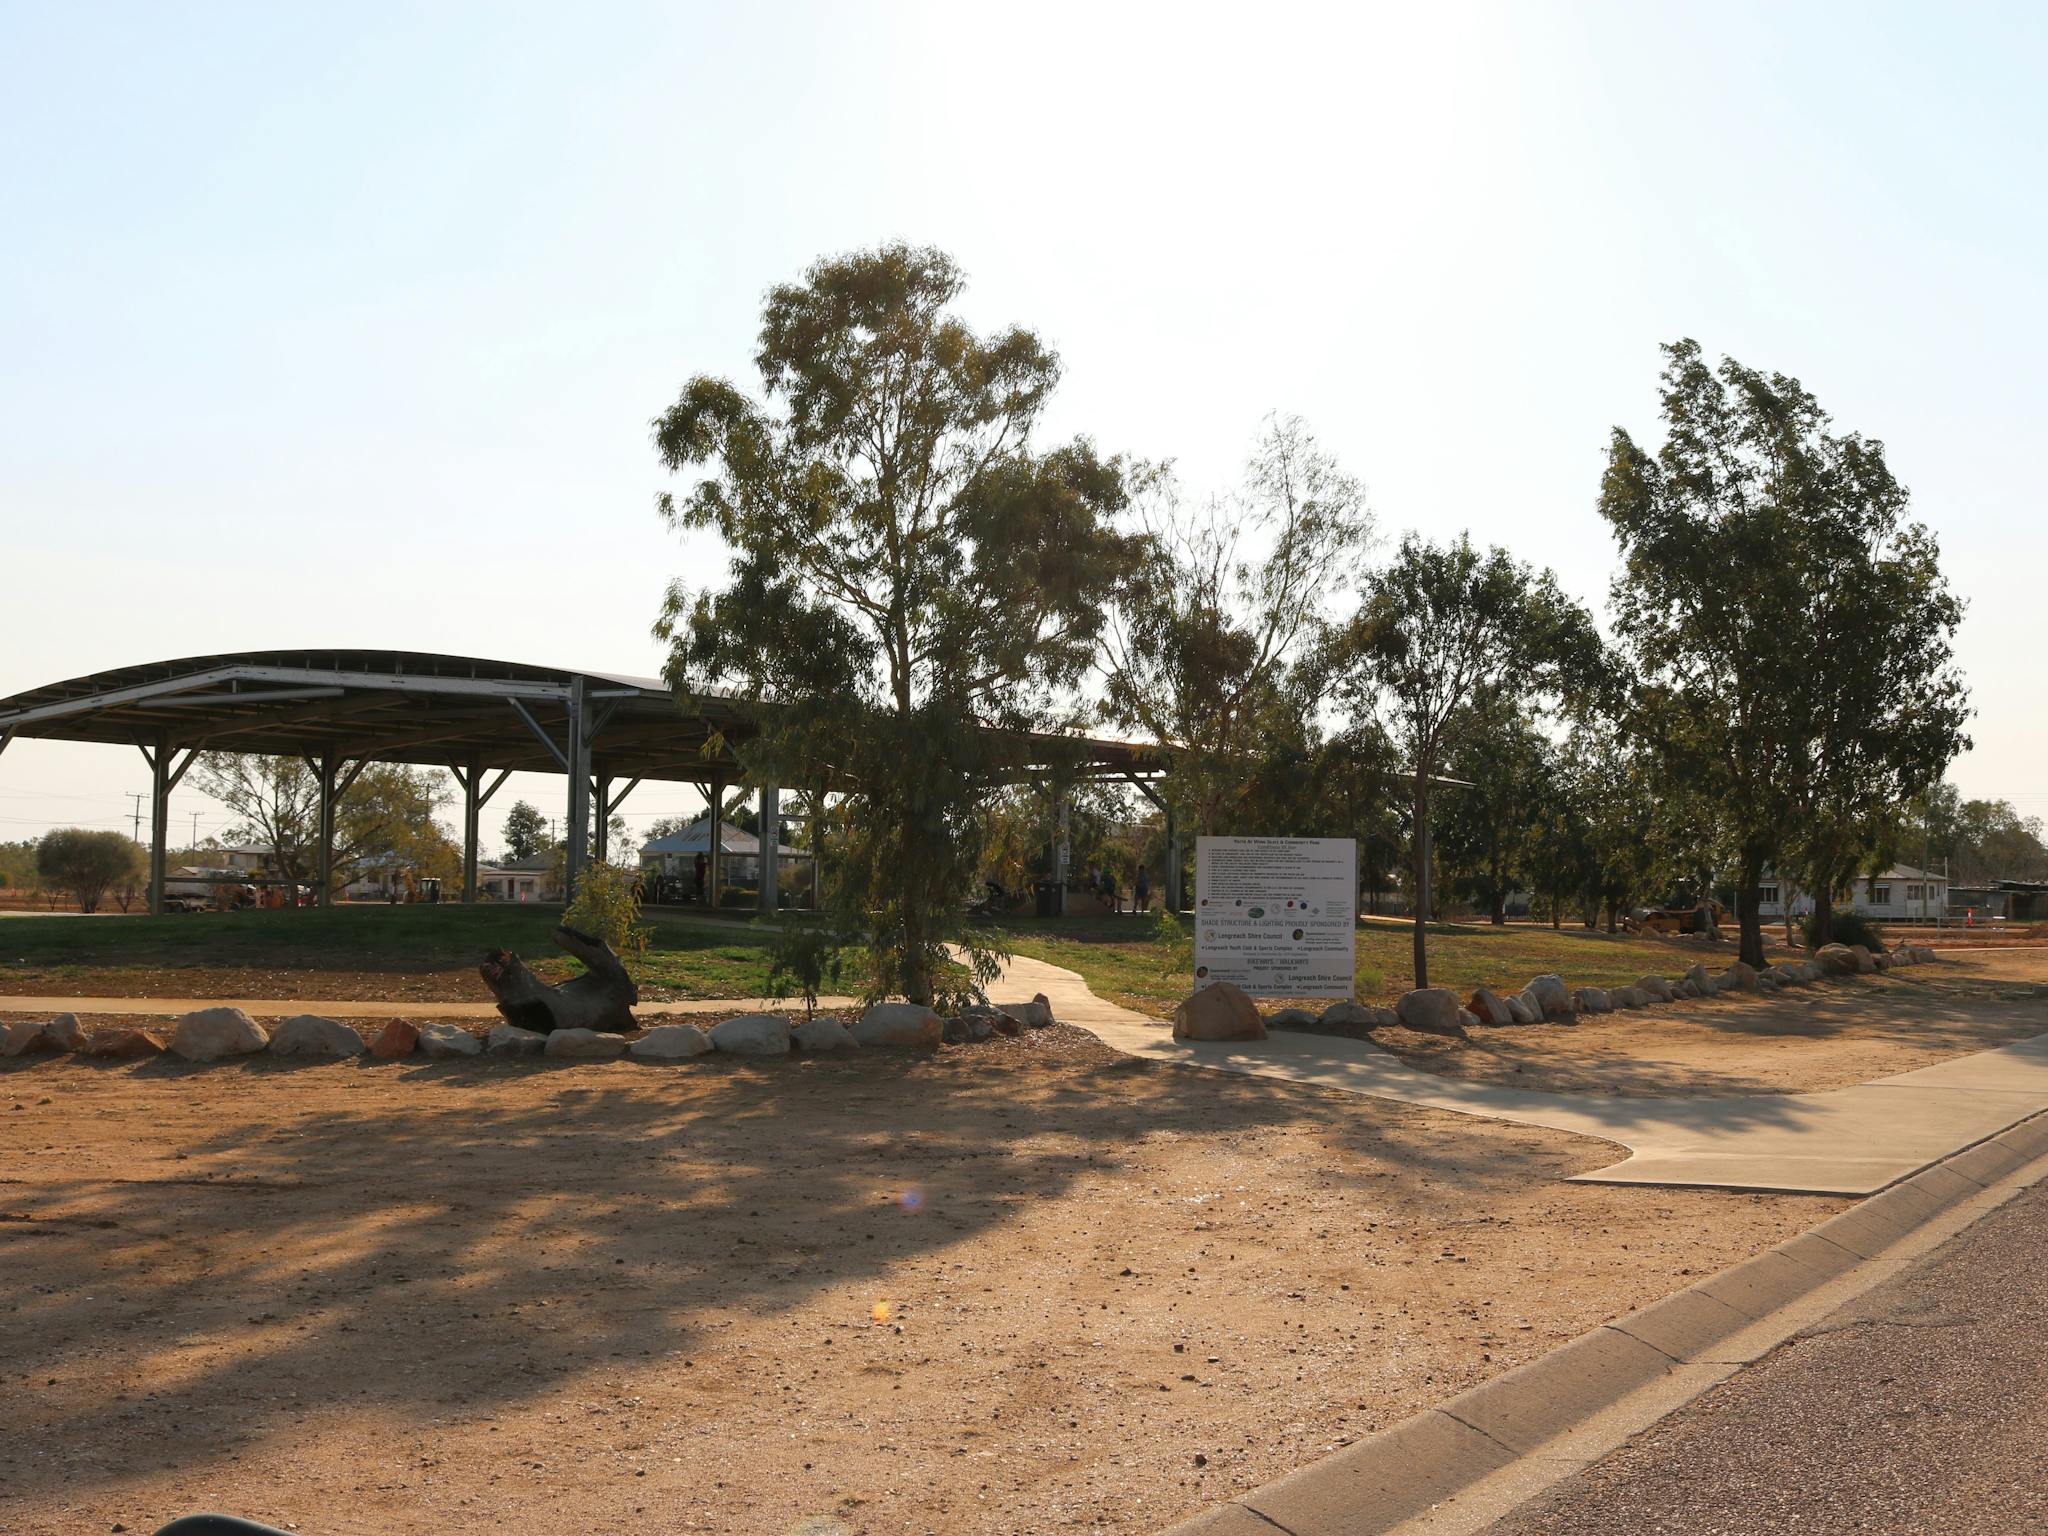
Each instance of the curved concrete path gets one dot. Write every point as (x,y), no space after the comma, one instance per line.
(1847,1141)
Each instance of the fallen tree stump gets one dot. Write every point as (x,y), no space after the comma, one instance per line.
(602,998)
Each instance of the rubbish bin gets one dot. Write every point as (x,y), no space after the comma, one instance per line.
(1048,898)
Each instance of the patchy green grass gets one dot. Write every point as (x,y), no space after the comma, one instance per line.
(684,957)
(1124,959)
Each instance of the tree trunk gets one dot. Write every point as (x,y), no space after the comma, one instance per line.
(1820,928)
(1498,908)
(1557,911)
(601,998)
(1421,956)
(1612,904)
(1749,920)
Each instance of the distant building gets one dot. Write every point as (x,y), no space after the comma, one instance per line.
(2024,901)
(1902,894)
(529,879)
(676,854)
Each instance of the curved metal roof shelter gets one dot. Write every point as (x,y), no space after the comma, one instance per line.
(341,709)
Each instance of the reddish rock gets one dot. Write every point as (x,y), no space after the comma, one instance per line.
(400,1038)
(124,1042)
(1219,1011)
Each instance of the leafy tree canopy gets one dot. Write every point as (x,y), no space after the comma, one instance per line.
(911,584)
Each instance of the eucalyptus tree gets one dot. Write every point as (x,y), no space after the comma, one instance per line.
(1438,626)
(1885,706)
(911,585)
(1488,829)
(1746,542)
(1202,652)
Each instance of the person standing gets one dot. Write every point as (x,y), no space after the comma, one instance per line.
(1141,892)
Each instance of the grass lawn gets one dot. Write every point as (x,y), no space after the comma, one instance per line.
(685,958)
(1124,960)
(358,950)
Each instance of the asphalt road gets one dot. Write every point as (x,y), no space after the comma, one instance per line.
(1921,1408)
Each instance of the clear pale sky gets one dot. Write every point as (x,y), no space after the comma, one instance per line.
(343,325)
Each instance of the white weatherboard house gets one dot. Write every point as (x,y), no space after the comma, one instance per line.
(676,854)
(1901,894)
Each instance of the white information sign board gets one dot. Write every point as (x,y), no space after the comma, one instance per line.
(1277,915)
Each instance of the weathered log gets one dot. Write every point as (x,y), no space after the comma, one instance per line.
(601,998)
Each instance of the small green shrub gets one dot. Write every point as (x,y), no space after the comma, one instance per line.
(1849,927)
(608,904)
(801,961)
(1370,981)
(1178,940)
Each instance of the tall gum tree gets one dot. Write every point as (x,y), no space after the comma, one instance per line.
(1752,544)
(1441,625)
(911,585)
(1202,653)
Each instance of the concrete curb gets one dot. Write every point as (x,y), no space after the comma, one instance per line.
(1461,1465)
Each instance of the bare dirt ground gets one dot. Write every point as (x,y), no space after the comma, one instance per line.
(1830,1035)
(1021,1286)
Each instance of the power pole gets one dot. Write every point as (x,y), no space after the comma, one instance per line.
(137,833)
(195,830)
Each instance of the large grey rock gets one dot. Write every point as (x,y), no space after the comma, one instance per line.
(1549,996)
(670,1042)
(984,1020)
(24,1037)
(1219,1011)
(1704,984)
(1627,997)
(1657,988)
(582,1045)
(446,1042)
(1433,1010)
(1489,1007)
(209,1034)
(754,1034)
(1740,976)
(511,1040)
(125,1043)
(911,1024)
(1289,1018)
(1345,1016)
(1836,960)
(1689,988)
(307,1034)
(1592,1000)
(66,1033)
(1776,975)
(825,1034)
(1522,1010)
(1036,1014)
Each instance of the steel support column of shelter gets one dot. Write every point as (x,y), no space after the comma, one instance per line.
(164,775)
(714,845)
(334,783)
(475,796)
(607,806)
(579,789)
(771,837)
(1060,853)
(1173,862)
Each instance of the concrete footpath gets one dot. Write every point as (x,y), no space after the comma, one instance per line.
(1847,1141)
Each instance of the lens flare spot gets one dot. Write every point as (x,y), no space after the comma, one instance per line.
(912,1199)
(879,1311)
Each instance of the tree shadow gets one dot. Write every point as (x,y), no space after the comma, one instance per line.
(429,1239)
